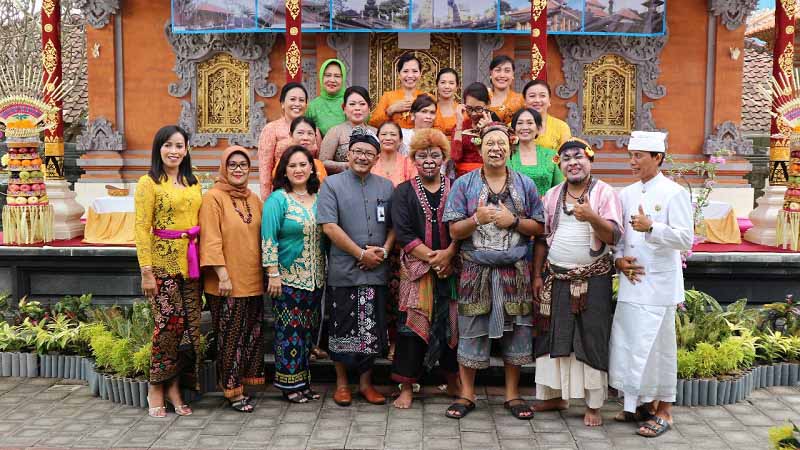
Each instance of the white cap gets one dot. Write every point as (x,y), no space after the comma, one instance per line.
(648,141)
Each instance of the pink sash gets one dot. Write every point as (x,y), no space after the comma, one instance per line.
(192,256)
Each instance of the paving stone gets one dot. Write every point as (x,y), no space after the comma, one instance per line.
(482,425)
(161,443)
(549,426)
(132,439)
(329,434)
(212,442)
(289,442)
(298,429)
(251,435)
(738,438)
(403,439)
(123,421)
(596,445)
(755,420)
(724,424)
(324,424)
(77,427)
(368,429)
(106,433)
(298,417)
(179,435)
(514,432)
(364,442)
(698,429)
(473,439)
(7,426)
(517,444)
(441,444)
(554,438)
(261,422)
(589,433)
(221,429)
(405,424)
(370,417)
(228,417)
(21,442)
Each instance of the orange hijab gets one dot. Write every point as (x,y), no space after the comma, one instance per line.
(222,182)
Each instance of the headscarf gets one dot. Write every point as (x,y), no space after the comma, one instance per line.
(326,109)
(222,182)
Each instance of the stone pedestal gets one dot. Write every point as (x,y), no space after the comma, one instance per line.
(67,211)
(765,217)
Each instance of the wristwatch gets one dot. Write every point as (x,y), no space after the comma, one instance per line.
(385,253)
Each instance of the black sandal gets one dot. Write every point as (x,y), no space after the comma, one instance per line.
(459,408)
(642,414)
(311,394)
(242,405)
(295,397)
(659,427)
(519,406)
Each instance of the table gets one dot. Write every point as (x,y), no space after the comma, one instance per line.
(721,224)
(110,221)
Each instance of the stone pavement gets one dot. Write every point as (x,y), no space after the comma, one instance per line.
(50,413)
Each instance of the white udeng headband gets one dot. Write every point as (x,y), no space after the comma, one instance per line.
(648,141)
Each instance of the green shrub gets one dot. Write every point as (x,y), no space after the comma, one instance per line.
(122,357)
(730,356)
(686,364)
(9,341)
(773,347)
(706,360)
(77,309)
(141,361)
(102,345)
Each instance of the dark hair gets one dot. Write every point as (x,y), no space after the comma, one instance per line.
(406,57)
(289,86)
(361,134)
(663,157)
(393,124)
(359,90)
(422,101)
(447,70)
(533,83)
(156,171)
(302,119)
(536,117)
(499,60)
(478,91)
(576,143)
(281,181)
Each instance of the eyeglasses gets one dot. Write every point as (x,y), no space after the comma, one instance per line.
(241,165)
(427,156)
(474,109)
(369,155)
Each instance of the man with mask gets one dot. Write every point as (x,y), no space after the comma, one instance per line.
(573,268)
(658,213)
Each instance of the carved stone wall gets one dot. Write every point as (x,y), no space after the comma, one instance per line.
(193,49)
(343,44)
(641,52)
(733,13)
(97,12)
(728,137)
(609,97)
(487,44)
(100,135)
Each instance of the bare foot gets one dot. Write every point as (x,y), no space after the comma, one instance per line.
(554,404)
(405,398)
(592,418)
(453,386)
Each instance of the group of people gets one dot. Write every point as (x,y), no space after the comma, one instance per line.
(424,230)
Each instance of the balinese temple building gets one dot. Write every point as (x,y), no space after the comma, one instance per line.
(216,66)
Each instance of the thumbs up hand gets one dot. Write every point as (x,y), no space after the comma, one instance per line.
(641,222)
(484,213)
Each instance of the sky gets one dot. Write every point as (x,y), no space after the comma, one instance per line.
(766,4)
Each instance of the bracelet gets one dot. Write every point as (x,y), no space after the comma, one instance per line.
(360,257)
(475,218)
(274,275)
(385,253)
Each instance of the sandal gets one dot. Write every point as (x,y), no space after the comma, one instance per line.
(295,397)
(518,407)
(159,412)
(642,414)
(241,405)
(311,394)
(317,354)
(459,408)
(182,410)
(658,427)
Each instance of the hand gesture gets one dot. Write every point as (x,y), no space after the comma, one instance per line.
(641,222)
(538,285)
(440,262)
(628,267)
(583,212)
(485,214)
(373,257)
(485,120)
(149,284)
(398,107)
(503,218)
(460,111)
(274,287)
(225,287)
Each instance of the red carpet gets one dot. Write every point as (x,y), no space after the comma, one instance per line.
(737,248)
(74,242)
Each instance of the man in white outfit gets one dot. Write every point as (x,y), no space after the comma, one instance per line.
(643,355)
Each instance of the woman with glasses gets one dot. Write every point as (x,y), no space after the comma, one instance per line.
(230,218)
(326,109)
(427,332)
(466,148)
(294,260)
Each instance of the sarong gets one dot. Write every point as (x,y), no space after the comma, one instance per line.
(357,325)
(176,335)
(240,341)
(296,313)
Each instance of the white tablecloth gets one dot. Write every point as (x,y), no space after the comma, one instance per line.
(716,210)
(105,205)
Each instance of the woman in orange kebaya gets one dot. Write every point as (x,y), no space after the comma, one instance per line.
(396,105)
(448,111)
(504,101)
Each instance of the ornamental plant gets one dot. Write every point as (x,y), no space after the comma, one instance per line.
(785,437)
(687,364)
(707,171)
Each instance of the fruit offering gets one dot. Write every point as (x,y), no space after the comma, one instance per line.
(26,182)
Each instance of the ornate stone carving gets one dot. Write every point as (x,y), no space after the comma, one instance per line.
(100,136)
(487,44)
(445,51)
(97,12)
(193,49)
(310,75)
(728,137)
(733,13)
(343,44)
(609,96)
(522,73)
(223,95)
(641,52)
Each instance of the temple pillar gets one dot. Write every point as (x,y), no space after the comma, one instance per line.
(539,40)
(765,216)
(67,211)
(294,41)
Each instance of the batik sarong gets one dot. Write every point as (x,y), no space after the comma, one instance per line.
(357,325)
(296,313)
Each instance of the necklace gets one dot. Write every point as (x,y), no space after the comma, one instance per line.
(300,194)
(581,198)
(424,198)
(495,197)
(249,217)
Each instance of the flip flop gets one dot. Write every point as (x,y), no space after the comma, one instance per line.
(659,427)
(460,409)
(519,406)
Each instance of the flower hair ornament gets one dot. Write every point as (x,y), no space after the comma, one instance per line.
(575,142)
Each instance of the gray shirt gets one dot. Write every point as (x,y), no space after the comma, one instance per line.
(353,205)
